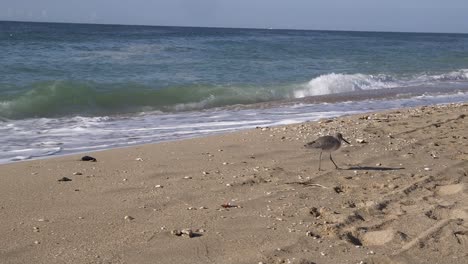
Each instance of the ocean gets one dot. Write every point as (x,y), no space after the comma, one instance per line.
(75,88)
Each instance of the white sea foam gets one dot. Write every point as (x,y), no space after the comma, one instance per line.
(17,158)
(460,75)
(339,83)
(28,153)
(195,105)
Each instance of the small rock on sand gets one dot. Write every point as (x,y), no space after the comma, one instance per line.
(88,158)
(184,232)
(128,218)
(64,179)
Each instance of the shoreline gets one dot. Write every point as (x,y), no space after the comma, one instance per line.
(252,196)
(335,107)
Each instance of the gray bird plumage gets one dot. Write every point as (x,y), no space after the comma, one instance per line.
(327,144)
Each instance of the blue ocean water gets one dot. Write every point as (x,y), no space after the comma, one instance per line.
(114,85)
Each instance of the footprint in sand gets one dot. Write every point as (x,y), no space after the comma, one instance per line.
(459,214)
(450,189)
(378,238)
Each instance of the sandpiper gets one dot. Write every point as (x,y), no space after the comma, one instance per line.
(327,144)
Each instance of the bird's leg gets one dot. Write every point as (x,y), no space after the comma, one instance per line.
(320,159)
(336,166)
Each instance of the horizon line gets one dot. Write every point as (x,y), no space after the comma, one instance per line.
(245,28)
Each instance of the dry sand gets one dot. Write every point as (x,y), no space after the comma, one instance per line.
(401,197)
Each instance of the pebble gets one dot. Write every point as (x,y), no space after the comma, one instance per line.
(64,179)
(184,232)
(205,173)
(88,158)
(187,177)
(37,242)
(176,232)
(361,141)
(187,232)
(139,159)
(311,234)
(158,186)
(77,173)
(129,218)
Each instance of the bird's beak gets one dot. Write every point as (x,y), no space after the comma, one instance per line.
(345,141)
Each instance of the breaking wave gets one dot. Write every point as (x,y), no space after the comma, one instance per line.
(340,83)
(73,98)
(64,98)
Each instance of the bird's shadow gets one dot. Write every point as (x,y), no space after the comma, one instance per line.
(374,168)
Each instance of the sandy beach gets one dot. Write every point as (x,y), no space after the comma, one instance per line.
(253,196)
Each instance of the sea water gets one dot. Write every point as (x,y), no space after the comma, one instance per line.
(68,88)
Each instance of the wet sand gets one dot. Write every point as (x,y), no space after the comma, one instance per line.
(252,196)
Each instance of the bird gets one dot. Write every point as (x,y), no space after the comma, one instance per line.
(327,144)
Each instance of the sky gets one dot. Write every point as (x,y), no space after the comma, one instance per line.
(361,15)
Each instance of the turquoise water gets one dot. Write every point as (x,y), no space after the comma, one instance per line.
(53,70)
(57,79)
